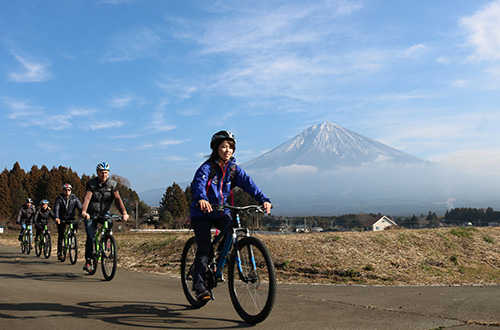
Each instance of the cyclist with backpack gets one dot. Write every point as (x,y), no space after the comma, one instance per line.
(212,184)
(65,210)
(42,216)
(25,215)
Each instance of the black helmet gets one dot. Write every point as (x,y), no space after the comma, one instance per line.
(220,136)
(29,200)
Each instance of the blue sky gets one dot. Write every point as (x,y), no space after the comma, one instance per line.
(144,84)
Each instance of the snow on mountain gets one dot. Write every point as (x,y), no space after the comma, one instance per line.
(328,146)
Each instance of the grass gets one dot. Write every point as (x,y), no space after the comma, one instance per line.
(456,256)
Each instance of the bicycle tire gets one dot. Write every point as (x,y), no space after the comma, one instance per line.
(28,243)
(47,245)
(72,248)
(38,246)
(64,249)
(254,290)
(23,243)
(187,263)
(108,257)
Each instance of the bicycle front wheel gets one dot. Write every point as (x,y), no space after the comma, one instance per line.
(38,246)
(252,280)
(187,266)
(28,243)
(108,257)
(47,245)
(23,243)
(72,248)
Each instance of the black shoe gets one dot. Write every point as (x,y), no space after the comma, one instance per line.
(203,295)
(59,256)
(20,238)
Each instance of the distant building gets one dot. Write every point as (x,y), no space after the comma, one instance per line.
(379,224)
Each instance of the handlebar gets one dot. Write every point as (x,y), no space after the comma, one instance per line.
(256,208)
(112,217)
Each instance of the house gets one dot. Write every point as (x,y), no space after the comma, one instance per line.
(379,224)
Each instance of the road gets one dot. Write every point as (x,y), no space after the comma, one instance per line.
(36,293)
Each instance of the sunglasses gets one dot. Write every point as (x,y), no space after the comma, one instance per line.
(67,189)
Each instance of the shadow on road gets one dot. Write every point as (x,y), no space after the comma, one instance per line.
(128,313)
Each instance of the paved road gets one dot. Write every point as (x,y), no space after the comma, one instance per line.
(36,293)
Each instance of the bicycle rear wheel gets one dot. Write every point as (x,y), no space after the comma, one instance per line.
(38,246)
(253,289)
(187,266)
(108,257)
(47,246)
(72,248)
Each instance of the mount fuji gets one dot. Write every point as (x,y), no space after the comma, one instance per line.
(328,146)
(328,169)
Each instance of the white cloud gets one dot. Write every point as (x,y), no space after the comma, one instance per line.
(483,32)
(460,83)
(135,44)
(109,124)
(32,71)
(125,101)
(415,51)
(172,142)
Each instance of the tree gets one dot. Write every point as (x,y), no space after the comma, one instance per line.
(174,201)
(6,207)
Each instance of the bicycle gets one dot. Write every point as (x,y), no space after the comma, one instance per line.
(70,243)
(104,248)
(27,239)
(43,243)
(251,274)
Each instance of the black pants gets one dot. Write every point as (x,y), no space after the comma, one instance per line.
(39,228)
(202,227)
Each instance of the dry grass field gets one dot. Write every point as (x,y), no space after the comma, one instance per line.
(447,256)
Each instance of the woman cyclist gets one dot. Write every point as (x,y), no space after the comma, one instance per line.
(212,184)
(42,216)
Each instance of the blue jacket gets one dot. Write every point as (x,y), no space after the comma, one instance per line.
(220,187)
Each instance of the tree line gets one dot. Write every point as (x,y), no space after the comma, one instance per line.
(41,183)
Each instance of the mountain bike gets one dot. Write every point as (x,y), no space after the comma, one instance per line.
(43,243)
(70,243)
(27,239)
(250,271)
(104,248)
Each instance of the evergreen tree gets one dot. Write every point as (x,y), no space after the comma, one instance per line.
(6,207)
(18,193)
(174,201)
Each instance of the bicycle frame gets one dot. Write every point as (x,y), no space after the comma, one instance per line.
(66,234)
(28,230)
(236,234)
(98,237)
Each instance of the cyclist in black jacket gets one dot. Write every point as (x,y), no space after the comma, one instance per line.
(25,215)
(64,211)
(42,216)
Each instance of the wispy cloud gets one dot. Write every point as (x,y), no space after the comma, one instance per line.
(20,108)
(109,124)
(415,51)
(482,30)
(31,71)
(124,101)
(138,43)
